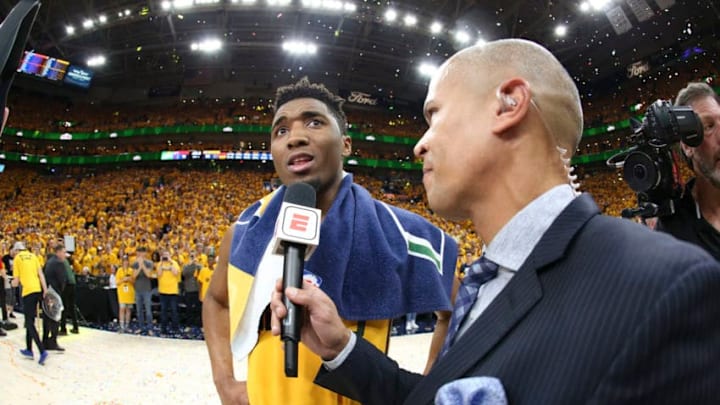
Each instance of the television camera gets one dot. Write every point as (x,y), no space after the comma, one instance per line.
(650,166)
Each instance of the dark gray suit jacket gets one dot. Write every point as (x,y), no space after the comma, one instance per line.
(603,311)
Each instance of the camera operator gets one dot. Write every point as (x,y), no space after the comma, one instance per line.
(697,216)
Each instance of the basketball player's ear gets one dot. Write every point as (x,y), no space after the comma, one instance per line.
(347,146)
(513,103)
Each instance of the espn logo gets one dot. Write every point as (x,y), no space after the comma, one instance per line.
(300,224)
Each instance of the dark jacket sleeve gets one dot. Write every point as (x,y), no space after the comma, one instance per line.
(369,376)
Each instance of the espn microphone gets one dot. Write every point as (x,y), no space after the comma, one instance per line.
(297,232)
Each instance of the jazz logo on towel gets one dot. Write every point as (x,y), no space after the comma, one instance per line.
(300,224)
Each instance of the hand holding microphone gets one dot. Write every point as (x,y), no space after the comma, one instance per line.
(323,331)
(297,232)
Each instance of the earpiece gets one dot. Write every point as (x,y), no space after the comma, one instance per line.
(509,101)
(505,100)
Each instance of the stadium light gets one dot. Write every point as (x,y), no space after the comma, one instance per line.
(599,4)
(462,37)
(561,30)
(102,18)
(436,27)
(278,2)
(299,47)
(331,5)
(390,15)
(182,4)
(480,41)
(585,7)
(410,20)
(427,69)
(127,12)
(97,60)
(88,23)
(70,29)
(207,45)
(185,4)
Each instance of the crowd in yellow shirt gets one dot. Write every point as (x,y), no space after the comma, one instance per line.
(111,214)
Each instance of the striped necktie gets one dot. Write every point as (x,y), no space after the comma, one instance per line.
(480,272)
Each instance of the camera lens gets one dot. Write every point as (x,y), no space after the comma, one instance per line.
(639,172)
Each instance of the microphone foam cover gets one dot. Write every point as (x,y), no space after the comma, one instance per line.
(301,194)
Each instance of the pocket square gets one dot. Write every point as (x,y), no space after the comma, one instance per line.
(472,391)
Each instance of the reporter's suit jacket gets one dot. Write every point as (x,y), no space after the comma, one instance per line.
(603,311)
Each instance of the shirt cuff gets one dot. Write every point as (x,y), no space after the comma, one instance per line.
(331,365)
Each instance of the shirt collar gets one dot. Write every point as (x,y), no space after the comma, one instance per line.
(517,239)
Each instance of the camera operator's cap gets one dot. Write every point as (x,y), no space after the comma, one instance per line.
(19,246)
(14,32)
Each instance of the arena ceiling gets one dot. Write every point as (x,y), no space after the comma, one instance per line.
(149,43)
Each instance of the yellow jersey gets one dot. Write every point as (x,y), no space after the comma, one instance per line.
(125,289)
(267,383)
(167,281)
(26,266)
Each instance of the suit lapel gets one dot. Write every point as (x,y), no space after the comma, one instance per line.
(510,306)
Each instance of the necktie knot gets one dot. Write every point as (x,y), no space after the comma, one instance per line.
(481,271)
